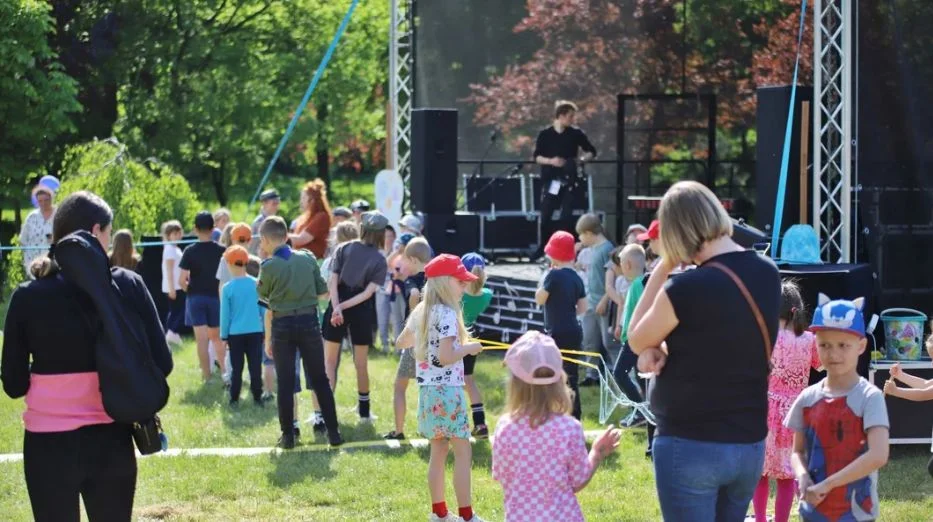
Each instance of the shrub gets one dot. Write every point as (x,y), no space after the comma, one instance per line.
(15,274)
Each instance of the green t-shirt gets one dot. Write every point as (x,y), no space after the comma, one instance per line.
(631,301)
(473,305)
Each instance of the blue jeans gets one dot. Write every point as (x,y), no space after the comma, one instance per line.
(621,372)
(708,481)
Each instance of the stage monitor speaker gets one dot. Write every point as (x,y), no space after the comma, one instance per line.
(773,103)
(746,235)
(433,181)
(455,233)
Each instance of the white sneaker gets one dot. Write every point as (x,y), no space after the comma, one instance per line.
(474,519)
(368,420)
(449,518)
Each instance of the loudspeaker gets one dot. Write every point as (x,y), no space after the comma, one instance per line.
(433,180)
(746,235)
(773,104)
(504,193)
(455,234)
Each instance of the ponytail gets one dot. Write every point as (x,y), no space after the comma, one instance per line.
(793,311)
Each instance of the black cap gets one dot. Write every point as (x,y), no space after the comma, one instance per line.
(204,221)
(342,212)
(268,194)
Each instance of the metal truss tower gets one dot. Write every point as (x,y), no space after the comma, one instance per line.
(401,85)
(833,139)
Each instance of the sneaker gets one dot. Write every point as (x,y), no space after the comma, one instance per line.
(268,397)
(394,435)
(481,432)
(474,519)
(286,442)
(634,421)
(259,403)
(449,518)
(297,431)
(334,439)
(234,403)
(173,338)
(368,420)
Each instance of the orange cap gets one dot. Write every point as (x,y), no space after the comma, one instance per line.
(241,233)
(236,255)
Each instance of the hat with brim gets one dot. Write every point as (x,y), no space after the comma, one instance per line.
(448,265)
(269,195)
(653,232)
(841,315)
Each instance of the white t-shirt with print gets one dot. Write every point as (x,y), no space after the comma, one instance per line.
(430,372)
(171,252)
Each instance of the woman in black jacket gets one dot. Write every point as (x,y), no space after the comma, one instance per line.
(71,446)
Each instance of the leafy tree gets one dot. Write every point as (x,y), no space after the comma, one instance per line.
(36,97)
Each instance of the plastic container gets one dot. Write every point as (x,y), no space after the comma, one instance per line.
(903,333)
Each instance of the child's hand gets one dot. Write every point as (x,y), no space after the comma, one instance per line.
(172,295)
(617,333)
(606,443)
(336,317)
(803,482)
(816,494)
(269,350)
(890,388)
(896,372)
(473,348)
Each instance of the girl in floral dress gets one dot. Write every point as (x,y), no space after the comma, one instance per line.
(793,355)
(436,331)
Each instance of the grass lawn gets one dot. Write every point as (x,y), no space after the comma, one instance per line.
(313,483)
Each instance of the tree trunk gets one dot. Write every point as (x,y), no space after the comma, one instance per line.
(323,159)
(17,215)
(217,180)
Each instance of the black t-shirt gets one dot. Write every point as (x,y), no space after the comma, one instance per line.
(564,289)
(565,144)
(201,260)
(714,386)
(415,282)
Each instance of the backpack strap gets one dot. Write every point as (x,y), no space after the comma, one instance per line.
(765,336)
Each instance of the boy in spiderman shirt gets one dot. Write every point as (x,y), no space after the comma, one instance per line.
(840,423)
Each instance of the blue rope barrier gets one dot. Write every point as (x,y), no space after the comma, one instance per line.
(304,101)
(785,153)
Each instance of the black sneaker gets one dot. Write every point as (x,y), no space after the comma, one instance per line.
(319,426)
(286,442)
(234,403)
(334,439)
(481,432)
(268,397)
(259,403)
(297,431)
(394,435)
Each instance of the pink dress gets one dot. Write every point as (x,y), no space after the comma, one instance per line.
(792,358)
(540,468)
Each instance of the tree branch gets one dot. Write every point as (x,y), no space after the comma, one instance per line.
(242,23)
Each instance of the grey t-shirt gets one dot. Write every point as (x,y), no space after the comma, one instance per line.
(223,274)
(358,264)
(835,426)
(596,273)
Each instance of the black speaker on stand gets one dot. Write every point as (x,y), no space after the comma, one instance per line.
(773,104)
(433,182)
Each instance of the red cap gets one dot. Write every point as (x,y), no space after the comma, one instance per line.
(654,232)
(561,247)
(448,265)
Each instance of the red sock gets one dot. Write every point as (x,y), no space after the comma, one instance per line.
(466,513)
(439,509)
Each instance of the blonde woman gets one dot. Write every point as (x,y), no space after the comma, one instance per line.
(436,331)
(700,336)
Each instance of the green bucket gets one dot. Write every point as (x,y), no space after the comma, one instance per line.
(903,333)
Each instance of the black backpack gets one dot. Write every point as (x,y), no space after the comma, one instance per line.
(133,387)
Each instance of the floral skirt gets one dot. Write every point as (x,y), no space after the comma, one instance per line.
(780,441)
(442,413)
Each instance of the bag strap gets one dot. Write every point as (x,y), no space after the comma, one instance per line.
(766,337)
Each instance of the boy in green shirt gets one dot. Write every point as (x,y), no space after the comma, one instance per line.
(290,284)
(632,260)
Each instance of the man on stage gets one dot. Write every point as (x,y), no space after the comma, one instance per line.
(556,150)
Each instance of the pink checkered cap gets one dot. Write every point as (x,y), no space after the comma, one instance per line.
(532,351)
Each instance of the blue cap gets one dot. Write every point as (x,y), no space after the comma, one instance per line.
(402,240)
(472,260)
(841,315)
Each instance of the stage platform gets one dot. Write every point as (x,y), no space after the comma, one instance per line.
(513,310)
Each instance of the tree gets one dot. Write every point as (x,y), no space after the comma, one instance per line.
(36,97)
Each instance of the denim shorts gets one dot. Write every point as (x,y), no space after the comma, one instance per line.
(202,310)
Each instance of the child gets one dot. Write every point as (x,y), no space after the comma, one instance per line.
(357,271)
(240,234)
(793,355)
(840,423)
(596,336)
(631,261)
(476,299)
(268,365)
(123,254)
(417,254)
(198,278)
(384,296)
(564,299)
(241,324)
(171,281)
(290,283)
(539,453)
(653,237)
(917,389)
(436,332)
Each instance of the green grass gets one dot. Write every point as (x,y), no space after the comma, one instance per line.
(365,483)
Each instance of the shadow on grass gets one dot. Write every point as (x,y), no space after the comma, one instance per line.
(296,466)
(247,414)
(206,396)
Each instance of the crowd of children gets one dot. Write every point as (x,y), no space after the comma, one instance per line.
(293,310)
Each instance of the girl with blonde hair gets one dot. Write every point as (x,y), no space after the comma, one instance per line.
(436,331)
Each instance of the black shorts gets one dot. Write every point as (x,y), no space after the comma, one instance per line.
(469,364)
(359,322)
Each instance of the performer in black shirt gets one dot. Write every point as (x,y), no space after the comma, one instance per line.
(556,150)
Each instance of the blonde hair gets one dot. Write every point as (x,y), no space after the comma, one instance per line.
(418,249)
(170,227)
(225,239)
(538,402)
(635,254)
(477,286)
(690,215)
(220,214)
(436,292)
(589,223)
(346,231)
